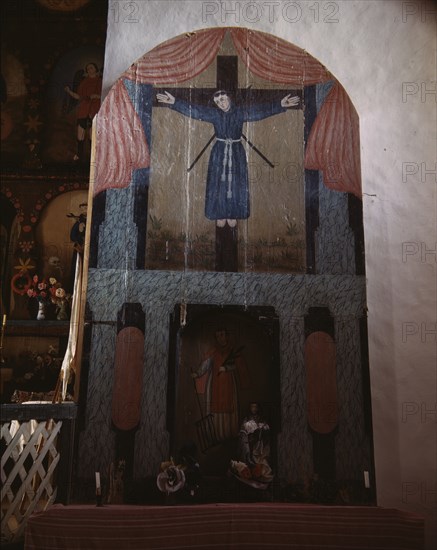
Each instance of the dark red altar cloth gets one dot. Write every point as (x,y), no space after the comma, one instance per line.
(224,526)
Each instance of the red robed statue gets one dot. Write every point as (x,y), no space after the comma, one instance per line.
(220,376)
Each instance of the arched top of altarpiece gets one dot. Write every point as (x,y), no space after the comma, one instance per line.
(333,143)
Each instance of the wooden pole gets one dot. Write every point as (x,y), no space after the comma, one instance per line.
(85,264)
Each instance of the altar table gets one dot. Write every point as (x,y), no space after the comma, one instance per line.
(254,526)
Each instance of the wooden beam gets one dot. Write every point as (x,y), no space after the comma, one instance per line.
(39,411)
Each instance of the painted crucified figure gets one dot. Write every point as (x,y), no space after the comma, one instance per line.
(227,185)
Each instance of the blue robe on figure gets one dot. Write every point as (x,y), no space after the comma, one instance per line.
(227,184)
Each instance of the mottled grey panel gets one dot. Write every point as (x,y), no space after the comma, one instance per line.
(334,239)
(335,244)
(152,439)
(295,451)
(352,451)
(158,292)
(118,233)
(96,443)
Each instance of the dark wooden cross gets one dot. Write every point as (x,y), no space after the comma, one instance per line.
(227,79)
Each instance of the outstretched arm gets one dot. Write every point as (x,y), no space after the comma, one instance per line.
(265,110)
(199,112)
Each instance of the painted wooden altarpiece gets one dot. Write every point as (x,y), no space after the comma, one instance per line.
(244,215)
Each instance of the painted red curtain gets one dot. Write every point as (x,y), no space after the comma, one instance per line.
(121,143)
(276,60)
(179,59)
(333,144)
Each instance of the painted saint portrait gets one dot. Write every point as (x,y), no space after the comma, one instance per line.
(225,360)
(219,378)
(14,95)
(227,185)
(229,140)
(87,96)
(73,99)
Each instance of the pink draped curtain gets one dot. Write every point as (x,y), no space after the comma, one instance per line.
(333,144)
(276,60)
(179,59)
(121,142)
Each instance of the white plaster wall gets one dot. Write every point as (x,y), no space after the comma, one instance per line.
(384,53)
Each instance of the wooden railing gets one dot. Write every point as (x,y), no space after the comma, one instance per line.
(37,443)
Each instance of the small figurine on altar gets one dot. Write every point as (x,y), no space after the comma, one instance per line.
(184,476)
(77,233)
(62,302)
(77,237)
(171,478)
(190,465)
(253,466)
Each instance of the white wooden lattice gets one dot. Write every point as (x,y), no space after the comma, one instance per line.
(27,466)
